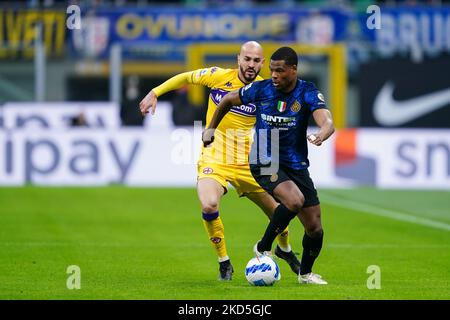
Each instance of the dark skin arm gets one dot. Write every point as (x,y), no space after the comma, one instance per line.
(229,100)
(324,121)
(322,117)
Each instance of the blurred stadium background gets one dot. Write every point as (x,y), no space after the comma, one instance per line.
(85,180)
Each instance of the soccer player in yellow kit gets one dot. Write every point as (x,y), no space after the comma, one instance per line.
(226,161)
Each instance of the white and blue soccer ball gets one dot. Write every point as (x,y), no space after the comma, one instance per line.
(262,271)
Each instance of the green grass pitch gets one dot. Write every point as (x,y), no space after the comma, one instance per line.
(149,243)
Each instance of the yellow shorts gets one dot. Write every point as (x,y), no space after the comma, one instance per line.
(239,176)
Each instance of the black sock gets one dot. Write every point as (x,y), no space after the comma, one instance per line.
(311,249)
(280,220)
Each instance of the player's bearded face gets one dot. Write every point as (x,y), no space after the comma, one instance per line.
(250,67)
(249,72)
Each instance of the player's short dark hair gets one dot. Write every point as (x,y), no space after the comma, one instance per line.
(287,54)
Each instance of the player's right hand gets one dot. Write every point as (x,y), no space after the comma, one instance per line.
(208,137)
(149,102)
(315,139)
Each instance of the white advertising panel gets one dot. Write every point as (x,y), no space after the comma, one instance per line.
(405,158)
(386,158)
(98,157)
(57,115)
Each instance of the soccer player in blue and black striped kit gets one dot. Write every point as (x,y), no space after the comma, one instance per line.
(279,155)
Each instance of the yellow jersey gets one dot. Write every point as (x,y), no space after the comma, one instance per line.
(233,136)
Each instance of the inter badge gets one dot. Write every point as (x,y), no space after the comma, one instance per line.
(296,106)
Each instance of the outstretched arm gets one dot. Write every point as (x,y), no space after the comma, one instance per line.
(150,100)
(324,121)
(229,100)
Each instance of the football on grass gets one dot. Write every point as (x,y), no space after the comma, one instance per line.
(262,271)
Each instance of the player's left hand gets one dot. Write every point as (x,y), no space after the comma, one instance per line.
(208,137)
(149,102)
(315,139)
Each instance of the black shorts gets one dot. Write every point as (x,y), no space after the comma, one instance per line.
(300,177)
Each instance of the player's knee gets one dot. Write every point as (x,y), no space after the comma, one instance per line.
(295,204)
(315,230)
(210,207)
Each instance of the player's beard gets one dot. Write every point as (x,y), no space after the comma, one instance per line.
(249,79)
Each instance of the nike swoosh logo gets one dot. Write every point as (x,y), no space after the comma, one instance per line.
(389,112)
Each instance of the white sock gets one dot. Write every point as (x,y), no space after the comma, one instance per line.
(286,249)
(224,259)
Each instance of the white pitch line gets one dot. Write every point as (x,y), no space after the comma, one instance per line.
(385,246)
(377,211)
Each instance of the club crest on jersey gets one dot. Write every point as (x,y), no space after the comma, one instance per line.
(296,106)
(215,240)
(228,84)
(281,106)
(208,170)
